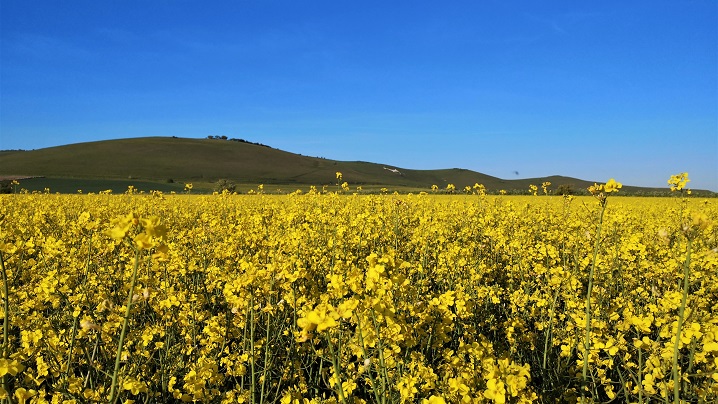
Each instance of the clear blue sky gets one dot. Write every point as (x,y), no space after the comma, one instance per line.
(589,89)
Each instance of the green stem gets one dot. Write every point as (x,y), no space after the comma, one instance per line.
(118,357)
(640,376)
(587,340)
(681,313)
(252,387)
(6,320)
(337,369)
(91,360)
(72,346)
(384,376)
(549,327)
(366,357)
(6,308)
(267,356)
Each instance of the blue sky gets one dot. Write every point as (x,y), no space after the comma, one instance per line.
(590,89)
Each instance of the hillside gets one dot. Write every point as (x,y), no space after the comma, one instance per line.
(161,159)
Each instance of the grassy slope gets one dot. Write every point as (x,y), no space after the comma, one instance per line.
(157,159)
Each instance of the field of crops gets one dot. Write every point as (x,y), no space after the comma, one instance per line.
(331,297)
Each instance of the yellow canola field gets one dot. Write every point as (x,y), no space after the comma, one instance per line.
(358,299)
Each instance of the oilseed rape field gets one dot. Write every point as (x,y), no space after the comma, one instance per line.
(330,297)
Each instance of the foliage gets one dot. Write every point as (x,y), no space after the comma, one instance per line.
(565,189)
(225,185)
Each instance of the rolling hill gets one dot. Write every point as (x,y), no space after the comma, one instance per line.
(161,160)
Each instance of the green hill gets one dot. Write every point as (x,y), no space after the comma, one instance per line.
(161,160)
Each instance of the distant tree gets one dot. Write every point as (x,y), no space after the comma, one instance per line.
(223,137)
(225,185)
(565,189)
(5,187)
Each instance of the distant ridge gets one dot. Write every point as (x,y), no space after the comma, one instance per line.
(162,159)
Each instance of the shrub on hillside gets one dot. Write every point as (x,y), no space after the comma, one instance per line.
(5,187)
(565,189)
(225,185)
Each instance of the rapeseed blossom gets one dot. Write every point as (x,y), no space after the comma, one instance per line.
(678,182)
(325,297)
(612,186)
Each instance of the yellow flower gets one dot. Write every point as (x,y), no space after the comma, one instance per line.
(612,186)
(346,308)
(143,241)
(88,325)
(153,227)
(321,318)
(22,394)
(648,383)
(678,181)
(700,221)
(609,392)
(434,400)
(11,367)
(457,386)
(161,252)
(595,189)
(349,386)
(495,390)
(8,248)
(121,226)
(134,386)
(545,186)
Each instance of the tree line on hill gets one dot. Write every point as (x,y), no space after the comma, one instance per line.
(237,140)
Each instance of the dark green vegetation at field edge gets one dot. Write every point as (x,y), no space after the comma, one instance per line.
(166,163)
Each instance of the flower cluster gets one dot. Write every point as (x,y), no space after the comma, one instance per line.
(678,182)
(333,298)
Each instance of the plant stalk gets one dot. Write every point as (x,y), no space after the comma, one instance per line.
(681,313)
(118,357)
(587,340)
(6,320)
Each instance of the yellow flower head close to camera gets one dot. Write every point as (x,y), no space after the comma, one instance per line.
(678,181)
(612,186)
(121,226)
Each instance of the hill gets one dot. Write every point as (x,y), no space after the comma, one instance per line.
(170,159)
